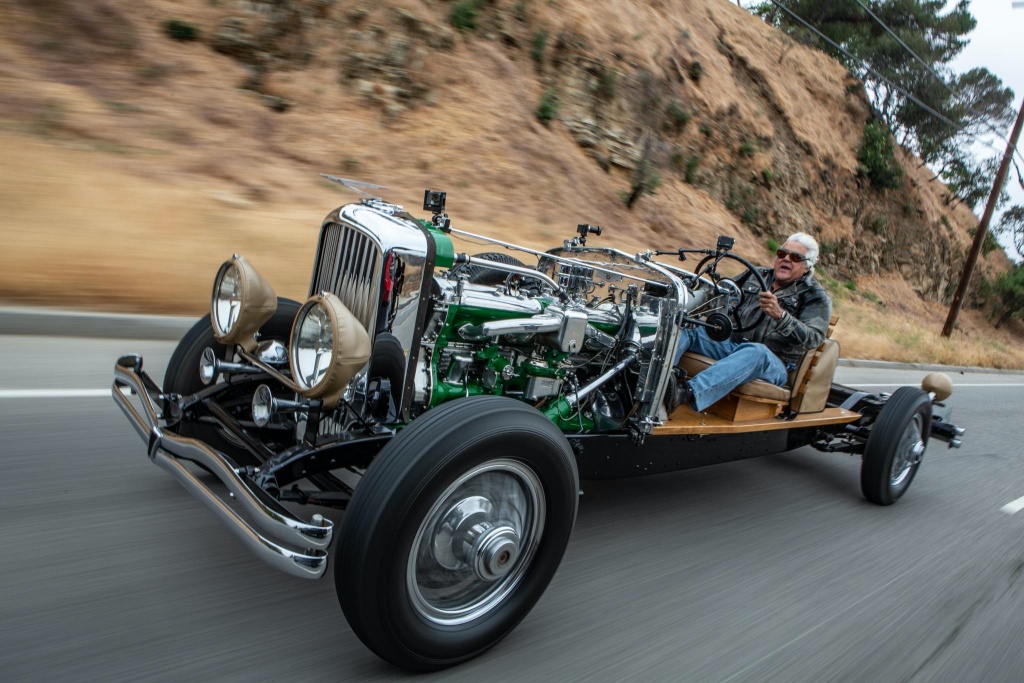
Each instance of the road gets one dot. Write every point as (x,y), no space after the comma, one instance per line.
(773,569)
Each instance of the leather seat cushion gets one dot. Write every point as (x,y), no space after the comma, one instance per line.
(695,363)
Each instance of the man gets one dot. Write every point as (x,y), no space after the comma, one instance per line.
(797,313)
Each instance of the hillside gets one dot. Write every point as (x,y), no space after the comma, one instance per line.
(134,163)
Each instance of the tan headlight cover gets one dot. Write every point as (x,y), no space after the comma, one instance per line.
(259,302)
(938,383)
(351,348)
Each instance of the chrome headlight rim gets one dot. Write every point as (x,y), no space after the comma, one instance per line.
(349,347)
(322,385)
(229,267)
(241,302)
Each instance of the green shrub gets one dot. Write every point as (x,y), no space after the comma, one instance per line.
(826,248)
(690,175)
(878,224)
(768,175)
(607,83)
(696,71)
(747,149)
(750,214)
(547,108)
(705,130)
(678,117)
(180,30)
(464,14)
(738,199)
(643,183)
(773,245)
(877,156)
(540,42)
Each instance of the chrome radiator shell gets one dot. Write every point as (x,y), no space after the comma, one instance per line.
(379,261)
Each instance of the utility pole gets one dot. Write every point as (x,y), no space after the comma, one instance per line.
(979,236)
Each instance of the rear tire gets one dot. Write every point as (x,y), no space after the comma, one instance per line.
(896,445)
(455,531)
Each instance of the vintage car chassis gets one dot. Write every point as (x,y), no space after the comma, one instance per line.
(457,411)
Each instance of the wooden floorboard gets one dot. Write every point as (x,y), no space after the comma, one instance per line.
(685,421)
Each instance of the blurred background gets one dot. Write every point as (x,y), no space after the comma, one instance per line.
(145,142)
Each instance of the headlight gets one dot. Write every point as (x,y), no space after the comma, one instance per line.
(328,347)
(227,298)
(314,346)
(242,302)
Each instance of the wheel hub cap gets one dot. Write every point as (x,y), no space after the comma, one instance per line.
(476,542)
(909,452)
(494,552)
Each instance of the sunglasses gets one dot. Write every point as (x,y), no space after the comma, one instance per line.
(794,256)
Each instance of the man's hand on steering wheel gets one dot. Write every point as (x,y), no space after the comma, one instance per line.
(711,262)
(770,305)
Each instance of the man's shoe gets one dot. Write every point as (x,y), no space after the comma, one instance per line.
(678,391)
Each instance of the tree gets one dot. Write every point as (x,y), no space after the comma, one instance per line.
(1013,221)
(1009,287)
(971,181)
(974,102)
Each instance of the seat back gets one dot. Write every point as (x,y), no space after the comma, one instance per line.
(812,380)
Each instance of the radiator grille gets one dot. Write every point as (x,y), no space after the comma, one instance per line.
(348,264)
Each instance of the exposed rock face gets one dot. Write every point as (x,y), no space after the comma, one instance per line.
(745,131)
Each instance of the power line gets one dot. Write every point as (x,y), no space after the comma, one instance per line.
(905,46)
(971,137)
(991,129)
(864,64)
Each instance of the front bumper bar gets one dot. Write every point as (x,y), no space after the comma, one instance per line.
(168,450)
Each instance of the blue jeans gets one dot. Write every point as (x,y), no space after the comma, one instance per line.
(736,364)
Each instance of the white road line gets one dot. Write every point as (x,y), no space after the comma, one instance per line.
(53,393)
(955,385)
(1013,506)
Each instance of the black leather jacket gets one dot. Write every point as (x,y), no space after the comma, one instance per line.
(808,312)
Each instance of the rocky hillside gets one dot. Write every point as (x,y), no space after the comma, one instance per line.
(178,131)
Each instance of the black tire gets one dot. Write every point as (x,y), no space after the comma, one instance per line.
(402,588)
(479,275)
(388,362)
(896,445)
(182,375)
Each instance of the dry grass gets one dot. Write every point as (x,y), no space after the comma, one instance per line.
(133,164)
(884,319)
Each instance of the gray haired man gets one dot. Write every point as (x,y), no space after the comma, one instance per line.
(797,312)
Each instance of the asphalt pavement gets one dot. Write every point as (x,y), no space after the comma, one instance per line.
(773,569)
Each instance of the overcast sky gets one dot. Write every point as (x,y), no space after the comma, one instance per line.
(996,45)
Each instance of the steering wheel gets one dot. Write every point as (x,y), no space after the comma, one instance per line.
(717,326)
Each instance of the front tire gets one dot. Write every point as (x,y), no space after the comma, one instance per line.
(182,374)
(455,531)
(896,445)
